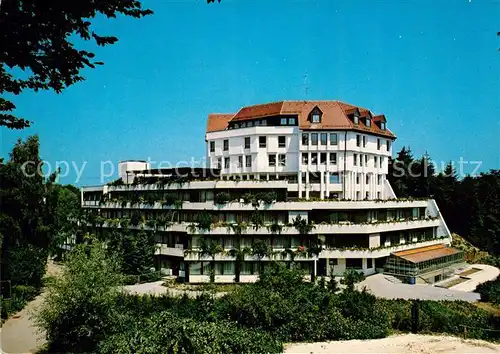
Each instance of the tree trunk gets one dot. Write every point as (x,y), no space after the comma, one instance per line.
(237,270)
(212,271)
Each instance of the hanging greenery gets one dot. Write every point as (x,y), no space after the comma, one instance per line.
(222,198)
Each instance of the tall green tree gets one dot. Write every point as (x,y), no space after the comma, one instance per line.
(210,248)
(23,214)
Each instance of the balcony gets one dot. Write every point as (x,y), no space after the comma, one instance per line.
(165,250)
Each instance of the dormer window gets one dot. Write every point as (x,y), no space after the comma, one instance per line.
(382,125)
(355,119)
(315,115)
(368,122)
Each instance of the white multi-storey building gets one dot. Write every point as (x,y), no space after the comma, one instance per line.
(308,179)
(328,149)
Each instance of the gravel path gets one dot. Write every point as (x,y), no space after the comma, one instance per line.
(398,344)
(19,334)
(380,286)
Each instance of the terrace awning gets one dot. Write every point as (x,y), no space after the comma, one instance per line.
(422,254)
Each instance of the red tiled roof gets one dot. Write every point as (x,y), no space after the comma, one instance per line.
(422,254)
(335,116)
(260,110)
(218,121)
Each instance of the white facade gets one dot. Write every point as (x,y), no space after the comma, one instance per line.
(330,164)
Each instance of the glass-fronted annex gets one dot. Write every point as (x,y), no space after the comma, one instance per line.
(423,260)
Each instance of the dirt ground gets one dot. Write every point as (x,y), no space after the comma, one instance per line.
(400,344)
(19,334)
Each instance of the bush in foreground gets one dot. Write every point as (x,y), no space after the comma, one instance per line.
(80,305)
(168,333)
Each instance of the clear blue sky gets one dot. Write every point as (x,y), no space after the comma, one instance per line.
(432,67)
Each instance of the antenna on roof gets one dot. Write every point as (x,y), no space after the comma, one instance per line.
(306,88)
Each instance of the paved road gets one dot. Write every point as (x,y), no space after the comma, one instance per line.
(380,286)
(19,335)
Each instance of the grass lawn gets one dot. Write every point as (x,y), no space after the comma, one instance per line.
(469,272)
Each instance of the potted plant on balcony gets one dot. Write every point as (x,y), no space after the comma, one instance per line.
(260,250)
(222,198)
(239,255)
(210,248)
(257,220)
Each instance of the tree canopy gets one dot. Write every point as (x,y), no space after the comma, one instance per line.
(36,40)
(469,205)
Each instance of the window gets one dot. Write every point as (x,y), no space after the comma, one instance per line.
(357,179)
(305,139)
(367,195)
(248,161)
(250,124)
(240,161)
(367,179)
(226,162)
(212,146)
(226,145)
(272,160)
(333,158)
(366,160)
(316,118)
(281,141)
(368,122)
(243,125)
(378,144)
(355,119)
(375,161)
(281,160)
(358,140)
(291,121)
(379,179)
(369,261)
(364,141)
(382,125)
(333,138)
(236,126)
(388,145)
(305,158)
(283,121)
(314,159)
(381,161)
(262,141)
(355,159)
(354,263)
(334,178)
(378,195)
(323,138)
(314,138)
(322,158)
(219,162)
(247,143)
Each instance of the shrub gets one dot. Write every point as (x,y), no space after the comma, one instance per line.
(167,333)
(79,309)
(26,265)
(19,296)
(490,291)
(222,198)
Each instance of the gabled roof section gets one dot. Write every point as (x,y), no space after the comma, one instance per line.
(218,121)
(257,111)
(335,115)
